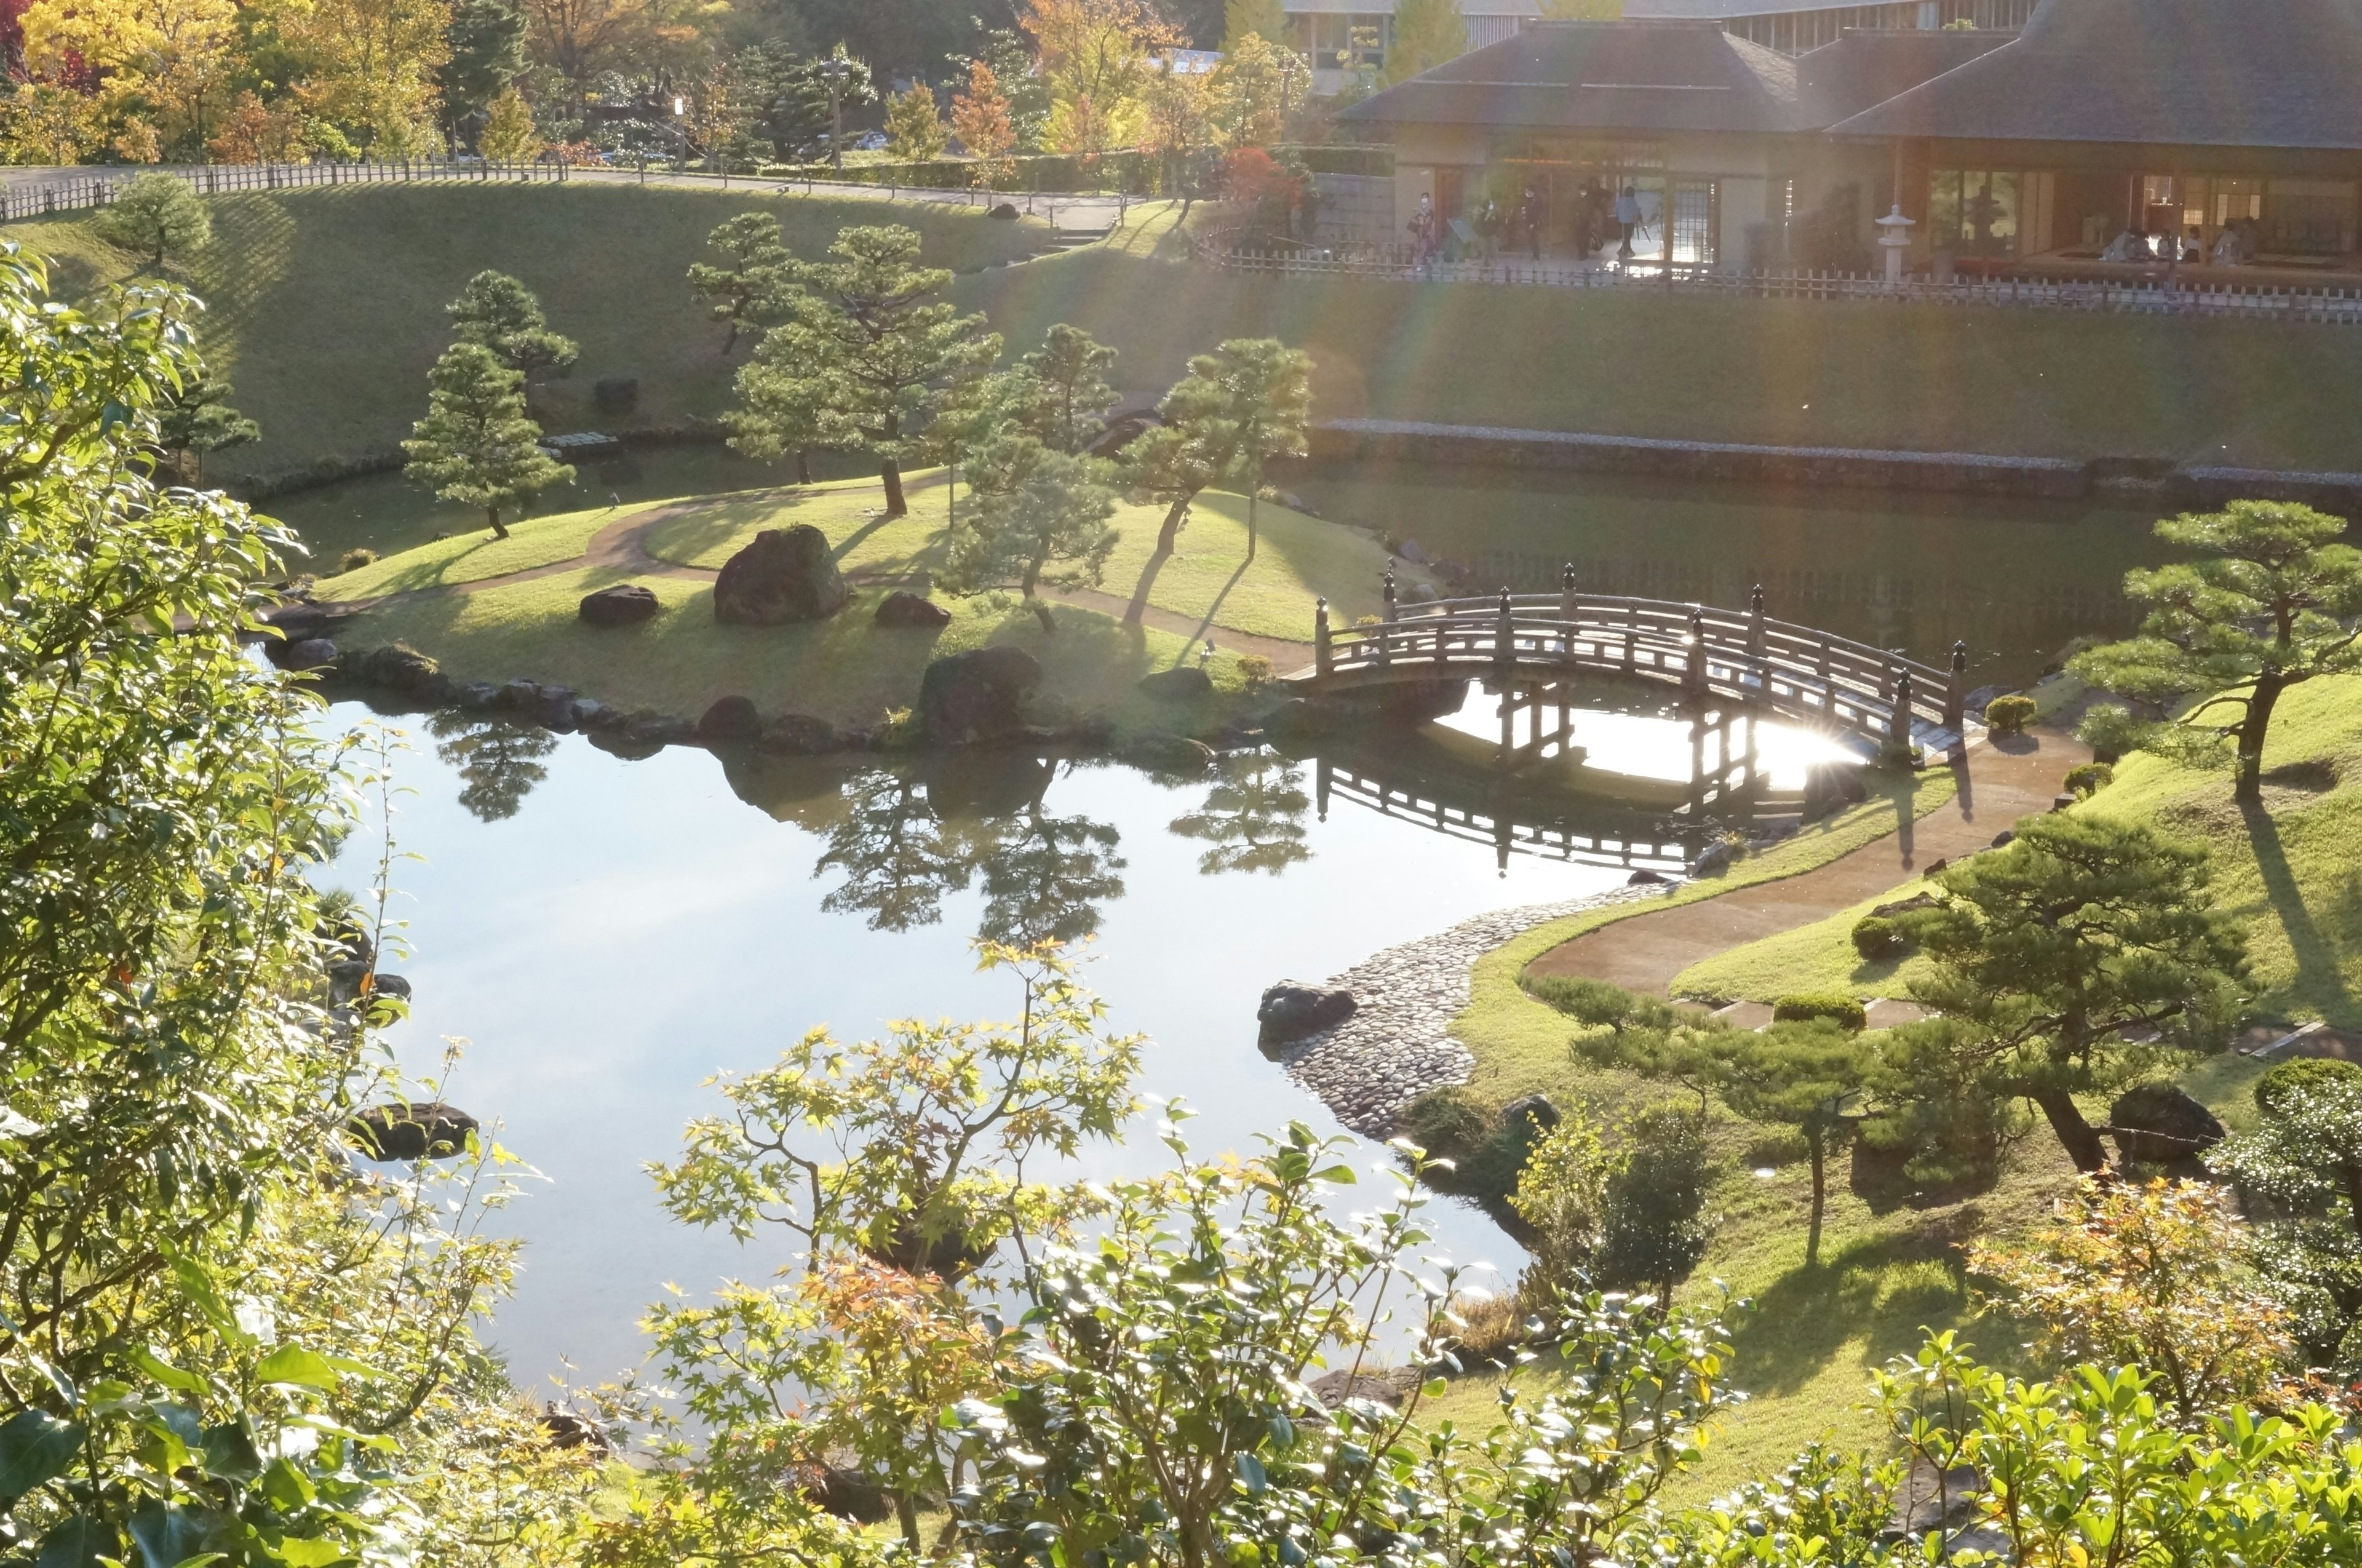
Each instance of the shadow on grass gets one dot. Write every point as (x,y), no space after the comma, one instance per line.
(1207,622)
(2320,977)
(1885,1291)
(1146,586)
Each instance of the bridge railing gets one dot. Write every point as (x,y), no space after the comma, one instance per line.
(1801,672)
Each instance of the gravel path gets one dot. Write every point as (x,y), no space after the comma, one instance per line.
(1398,1044)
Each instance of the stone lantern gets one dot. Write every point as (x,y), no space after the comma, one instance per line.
(1894,239)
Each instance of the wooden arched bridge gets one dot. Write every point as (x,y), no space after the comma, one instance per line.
(1875,701)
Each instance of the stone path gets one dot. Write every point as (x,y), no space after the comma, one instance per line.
(1398,1044)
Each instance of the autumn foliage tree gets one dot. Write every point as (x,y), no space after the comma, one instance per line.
(1097,56)
(981,119)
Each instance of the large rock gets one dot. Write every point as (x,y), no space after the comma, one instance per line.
(1179,684)
(786,574)
(312,652)
(798,734)
(623,604)
(1160,752)
(2157,1125)
(1290,1011)
(1381,1386)
(976,695)
(421,1130)
(398,667)
(902,609)
(1535,1108)
(731,721)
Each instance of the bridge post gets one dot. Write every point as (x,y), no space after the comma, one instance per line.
(1755,623)
(1955,692)
(1694,667)
(1898,718)
(1504,644)
(1392,613)
(1324,658)
(1387,623)
(1570,610)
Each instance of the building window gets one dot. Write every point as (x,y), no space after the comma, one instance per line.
(1973,212)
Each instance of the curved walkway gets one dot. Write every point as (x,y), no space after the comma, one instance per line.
(1996,787)
(622,546)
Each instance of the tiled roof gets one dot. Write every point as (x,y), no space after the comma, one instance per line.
(2262,73)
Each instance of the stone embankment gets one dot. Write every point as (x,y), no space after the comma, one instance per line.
(1397,1045)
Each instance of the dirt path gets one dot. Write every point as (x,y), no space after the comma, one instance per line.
(1997,787)
(622,546)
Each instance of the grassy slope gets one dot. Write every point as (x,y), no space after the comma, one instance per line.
(476,554)
(1631,361)
(326,306)
(327,311)
(2292,874)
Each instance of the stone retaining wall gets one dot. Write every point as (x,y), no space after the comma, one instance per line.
(1398,1045)
(2135,482)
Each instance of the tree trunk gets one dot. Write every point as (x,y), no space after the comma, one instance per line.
(906,1514)
(1041,613)
(1168,537)
(2250,782)
(891,472)
(1251,520)
(494,514)
(951,496)
(1817,1139)
(2081,1143)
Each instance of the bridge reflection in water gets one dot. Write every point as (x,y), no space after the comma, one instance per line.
(1535,789)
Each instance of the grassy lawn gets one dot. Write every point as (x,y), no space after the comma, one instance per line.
(325,306)
(1816,957)
(476,554)
(846,668)
(1299,558)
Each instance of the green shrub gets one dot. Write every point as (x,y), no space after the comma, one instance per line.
(1877,938)
(2110,730)
(2284,1082)
(2008,716)
(1806,1006)
(1600,1004)
(1254,671)
(353,561)
(1449,1124)
(2089,778)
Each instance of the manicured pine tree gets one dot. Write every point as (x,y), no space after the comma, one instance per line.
(1041,515)
(156,213)
(198,420)
(2267,606)
(744,289)
(1070,372)
(867,346)
(501,314)
(476,444)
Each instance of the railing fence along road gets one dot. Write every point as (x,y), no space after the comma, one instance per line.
(41,196)
(1799,673)
(2168,296)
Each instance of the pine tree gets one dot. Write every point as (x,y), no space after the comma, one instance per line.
(156,213)
(476,444)
(198,419)
(1427,34)
(1069,371)
(501,313)
(745,291)
(1042,517)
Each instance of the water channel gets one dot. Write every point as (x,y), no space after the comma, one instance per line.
(608,933)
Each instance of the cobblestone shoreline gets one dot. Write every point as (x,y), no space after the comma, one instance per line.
(1398,1044)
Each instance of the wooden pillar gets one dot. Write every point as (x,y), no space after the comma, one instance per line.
(1898,718)
(1321,786)
(1956,691)
(1504,644)
(1386,626)
(1323,655)
(1755,623)
(1694,668)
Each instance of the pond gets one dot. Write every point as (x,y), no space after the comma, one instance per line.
(608,933)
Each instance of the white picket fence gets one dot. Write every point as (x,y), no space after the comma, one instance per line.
(2143,297)
(39,198)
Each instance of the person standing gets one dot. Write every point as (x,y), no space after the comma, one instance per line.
(1530,215)
(1424,228)
(1627,217)
(1487,223)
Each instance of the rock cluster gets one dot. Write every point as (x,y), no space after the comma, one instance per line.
(786,574)
(1397,1045)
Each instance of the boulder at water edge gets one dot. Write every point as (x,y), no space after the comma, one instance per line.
(730,720)
(421,1130)
(2158,1124)
(398,667)
(1160,752)
(312,652)
(1291,1010)
(1178,684)
(786,574)
(976,695)
(901,609)
(623,604)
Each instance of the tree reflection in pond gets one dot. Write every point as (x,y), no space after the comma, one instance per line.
(905,839)
(1252,818)
(899,859)
(499,762)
